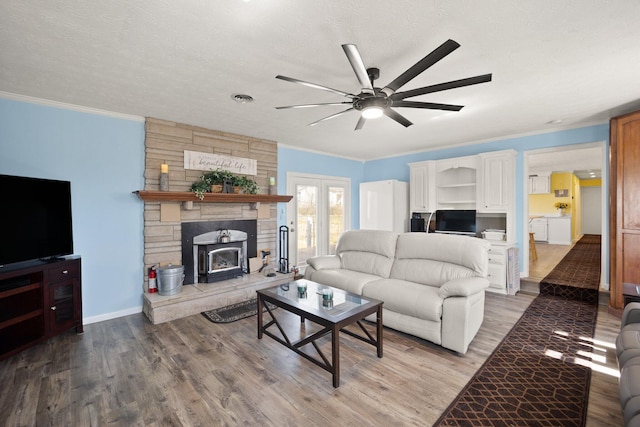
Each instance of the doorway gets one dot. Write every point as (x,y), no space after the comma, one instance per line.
(318,214)
(577,159)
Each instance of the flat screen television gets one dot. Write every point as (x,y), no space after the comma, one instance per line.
(35,219)
(456,221)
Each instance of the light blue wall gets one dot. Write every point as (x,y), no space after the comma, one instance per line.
(291,160)
(103,157)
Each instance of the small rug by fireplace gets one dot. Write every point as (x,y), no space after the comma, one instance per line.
(233,312)
(577,275)
(536,376)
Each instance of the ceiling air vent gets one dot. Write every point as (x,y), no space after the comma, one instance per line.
(241,98)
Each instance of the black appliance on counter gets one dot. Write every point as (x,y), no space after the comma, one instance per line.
(417,224)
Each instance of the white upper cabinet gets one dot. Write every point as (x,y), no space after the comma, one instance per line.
(539,184)
(422,192)
(496,189)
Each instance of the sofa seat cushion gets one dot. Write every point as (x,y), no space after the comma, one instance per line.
(631,411)
(409,298)
(347,280)
(628,338)
(629,382)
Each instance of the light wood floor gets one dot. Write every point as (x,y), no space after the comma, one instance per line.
(128,372)
(548,257)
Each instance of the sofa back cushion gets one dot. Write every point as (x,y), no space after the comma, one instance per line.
(367,251)
(434,259)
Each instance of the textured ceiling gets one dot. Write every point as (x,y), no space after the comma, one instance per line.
(585,163)
(575,61)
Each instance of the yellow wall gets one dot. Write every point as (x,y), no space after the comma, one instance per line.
(543,203)
(576,209)
(596,182)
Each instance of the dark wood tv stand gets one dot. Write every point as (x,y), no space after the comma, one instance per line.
(37,302)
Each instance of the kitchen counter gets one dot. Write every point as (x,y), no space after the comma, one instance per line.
(550,228)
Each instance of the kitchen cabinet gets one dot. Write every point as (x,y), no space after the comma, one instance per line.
(422,189)
(456,181)
(497,181)
(538,226)
(559,230)
(539,184)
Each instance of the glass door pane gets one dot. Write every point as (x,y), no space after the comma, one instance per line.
(336,216)
(306,222)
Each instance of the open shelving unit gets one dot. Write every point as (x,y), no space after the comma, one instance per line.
(456,188)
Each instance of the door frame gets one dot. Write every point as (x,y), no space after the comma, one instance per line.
(323,180)
(604,167)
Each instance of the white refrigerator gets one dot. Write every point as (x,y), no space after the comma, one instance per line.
(384,205)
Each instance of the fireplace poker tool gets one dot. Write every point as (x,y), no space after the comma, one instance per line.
(265,260)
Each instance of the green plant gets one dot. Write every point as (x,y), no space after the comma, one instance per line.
(247,185)
(200,187)
(218,177)
(561,205)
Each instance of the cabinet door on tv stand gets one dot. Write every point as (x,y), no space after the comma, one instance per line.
(62,307)
(64,298)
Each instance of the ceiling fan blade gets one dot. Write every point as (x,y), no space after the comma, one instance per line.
(315,86)
(428,105)
(331,116)
(397,117)
(313,105)
(360,123)
(353,55)
(442,86)
(440,52)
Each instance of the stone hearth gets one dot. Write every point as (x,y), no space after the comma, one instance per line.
(199,297)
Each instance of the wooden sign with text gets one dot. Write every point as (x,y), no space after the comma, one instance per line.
(195,160)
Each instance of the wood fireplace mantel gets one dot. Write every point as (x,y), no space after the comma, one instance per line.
(188,196)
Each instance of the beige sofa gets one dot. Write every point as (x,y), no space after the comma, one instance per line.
(432,285)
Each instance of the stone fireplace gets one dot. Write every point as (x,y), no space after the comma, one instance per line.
(167,221)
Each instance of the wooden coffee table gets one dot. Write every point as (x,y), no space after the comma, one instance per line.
(345,309)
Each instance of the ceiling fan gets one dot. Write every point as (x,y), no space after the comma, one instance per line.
(373,102)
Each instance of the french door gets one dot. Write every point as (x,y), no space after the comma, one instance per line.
(317,215)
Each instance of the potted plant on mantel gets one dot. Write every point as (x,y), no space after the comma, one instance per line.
(214,182)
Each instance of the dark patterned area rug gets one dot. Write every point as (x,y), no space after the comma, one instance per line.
(234,312)
(536,376)
(577,276)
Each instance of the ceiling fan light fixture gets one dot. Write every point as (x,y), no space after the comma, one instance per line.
(372,112)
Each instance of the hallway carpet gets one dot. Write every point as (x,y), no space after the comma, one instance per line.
(577,275)
(539,375)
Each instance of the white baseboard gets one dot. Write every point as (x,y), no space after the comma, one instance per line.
(113,315)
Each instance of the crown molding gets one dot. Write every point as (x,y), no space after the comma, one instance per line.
(72,107)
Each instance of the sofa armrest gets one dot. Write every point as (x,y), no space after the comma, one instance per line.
(463,287)
(631,314)
(324,262)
